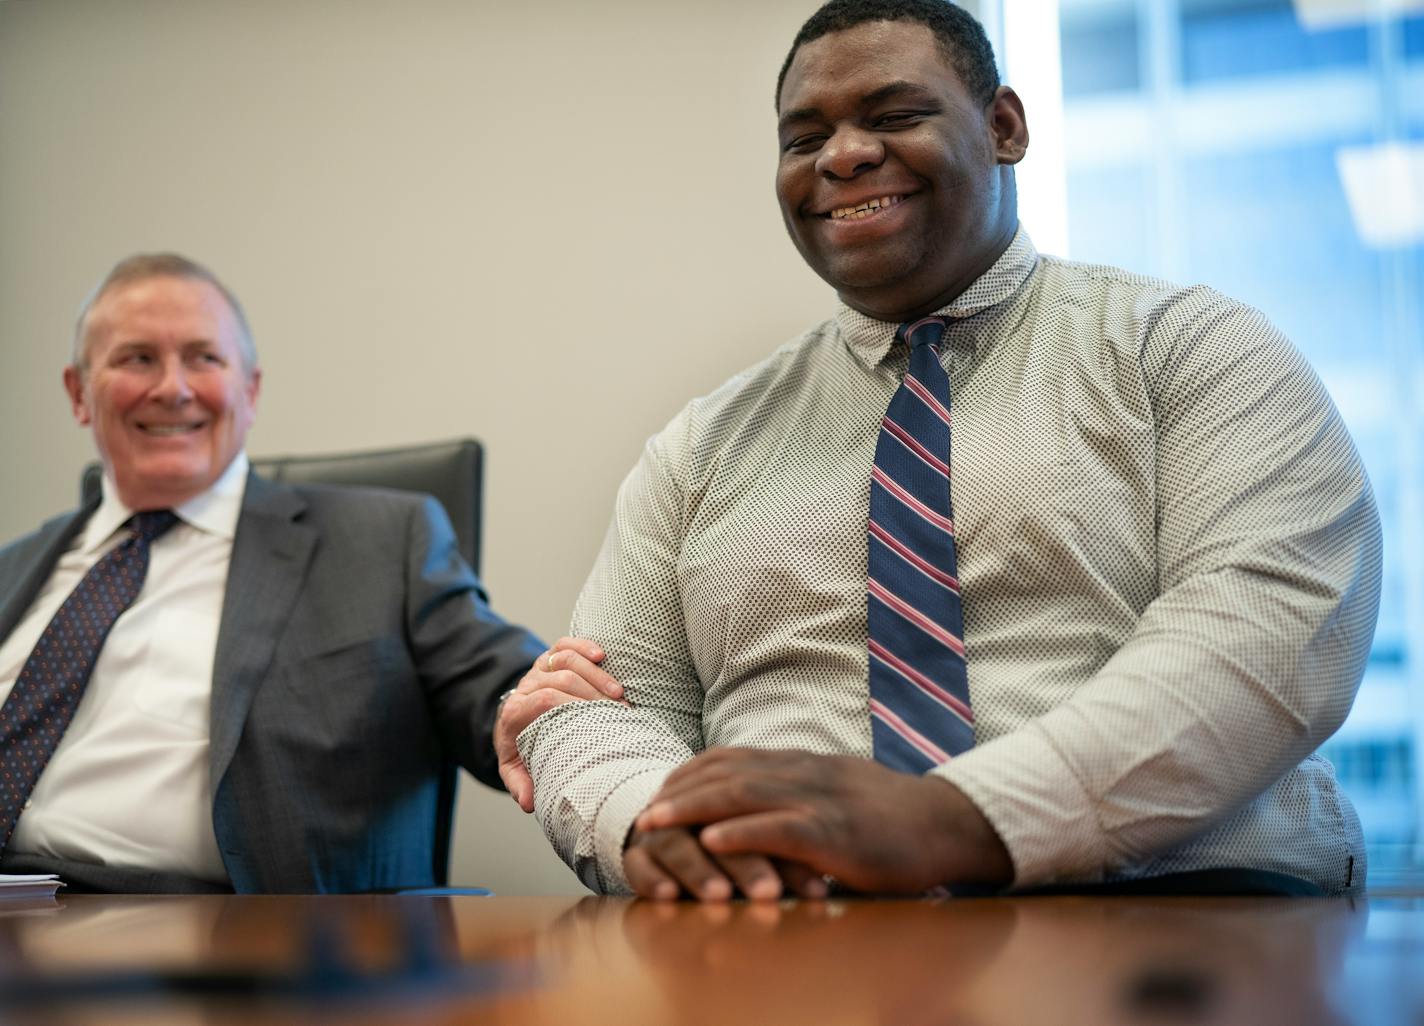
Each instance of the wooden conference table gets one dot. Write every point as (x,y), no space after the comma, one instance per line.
(532,961)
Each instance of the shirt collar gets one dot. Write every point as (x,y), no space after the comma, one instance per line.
(214,511)
(870,339)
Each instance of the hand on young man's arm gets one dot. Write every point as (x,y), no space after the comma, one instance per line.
(568,672)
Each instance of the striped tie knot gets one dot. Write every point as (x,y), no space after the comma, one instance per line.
(926,331)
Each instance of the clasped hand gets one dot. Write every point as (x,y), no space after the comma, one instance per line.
(763,822)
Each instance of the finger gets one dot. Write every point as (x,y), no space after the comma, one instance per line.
(695,773)
(780,833)
(728,763)
(801,880)
(518,783)
(589,672)
(567,681)
(516,713)
(753,875)
(520,710)
(590,650)
(709,801)
(647,878)
(681,857)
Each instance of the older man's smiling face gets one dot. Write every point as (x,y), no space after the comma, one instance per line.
(164,388)
(892,178)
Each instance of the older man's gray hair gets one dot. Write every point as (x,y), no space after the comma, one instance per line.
(144,266)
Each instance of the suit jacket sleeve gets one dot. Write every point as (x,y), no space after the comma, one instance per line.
(465,654)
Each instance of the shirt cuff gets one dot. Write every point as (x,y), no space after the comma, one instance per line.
(1029,794)
(615,818)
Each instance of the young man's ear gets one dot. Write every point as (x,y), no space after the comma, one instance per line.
(1009,125)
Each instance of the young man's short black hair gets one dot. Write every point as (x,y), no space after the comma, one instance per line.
(961,38)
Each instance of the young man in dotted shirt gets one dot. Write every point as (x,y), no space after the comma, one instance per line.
(1168,552)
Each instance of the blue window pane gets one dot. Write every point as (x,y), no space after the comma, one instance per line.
(1105,216)
(1099,52)
(1225,44)
(1412,30)
(1245,212)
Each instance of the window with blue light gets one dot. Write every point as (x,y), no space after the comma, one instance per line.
(1275,150)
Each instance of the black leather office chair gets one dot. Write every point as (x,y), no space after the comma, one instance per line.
(453,472)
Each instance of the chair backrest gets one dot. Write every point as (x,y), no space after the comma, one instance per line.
(453,472)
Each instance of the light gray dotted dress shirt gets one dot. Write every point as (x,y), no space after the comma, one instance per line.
(1170,557)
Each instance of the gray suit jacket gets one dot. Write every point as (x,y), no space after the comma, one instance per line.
(356,657)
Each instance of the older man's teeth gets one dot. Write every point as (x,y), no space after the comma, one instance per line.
(865,209)
(169,429)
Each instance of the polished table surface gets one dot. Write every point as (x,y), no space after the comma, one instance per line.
(1072,960)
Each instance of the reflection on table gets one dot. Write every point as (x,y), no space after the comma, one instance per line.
(597,960)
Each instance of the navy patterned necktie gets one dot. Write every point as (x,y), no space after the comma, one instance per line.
(52,681)
(919,688)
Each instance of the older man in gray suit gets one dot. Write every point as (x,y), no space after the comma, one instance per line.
(212,682)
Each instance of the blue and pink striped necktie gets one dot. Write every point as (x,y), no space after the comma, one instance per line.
(919,688)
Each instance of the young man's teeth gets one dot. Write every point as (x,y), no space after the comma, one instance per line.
(168,429)
(864,209)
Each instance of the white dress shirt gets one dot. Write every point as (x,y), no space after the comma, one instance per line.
(128,784)
(1170,560)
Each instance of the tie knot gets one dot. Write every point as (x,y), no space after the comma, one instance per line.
(149,524)
(927,331)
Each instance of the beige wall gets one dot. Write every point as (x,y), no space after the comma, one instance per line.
(546,225)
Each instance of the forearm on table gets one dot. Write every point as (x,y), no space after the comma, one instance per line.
(595,766)
(1178,729)
(1268,569)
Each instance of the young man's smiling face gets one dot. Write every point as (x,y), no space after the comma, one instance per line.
(163,386)
(893,180)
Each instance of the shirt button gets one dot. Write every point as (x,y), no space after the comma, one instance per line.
(28,803)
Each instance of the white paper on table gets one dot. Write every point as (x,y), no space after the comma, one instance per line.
(38,885)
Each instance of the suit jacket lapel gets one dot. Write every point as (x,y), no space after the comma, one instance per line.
(270,555)
(37,563)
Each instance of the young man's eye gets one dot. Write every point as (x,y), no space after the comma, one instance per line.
(898,118)
(804,144)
